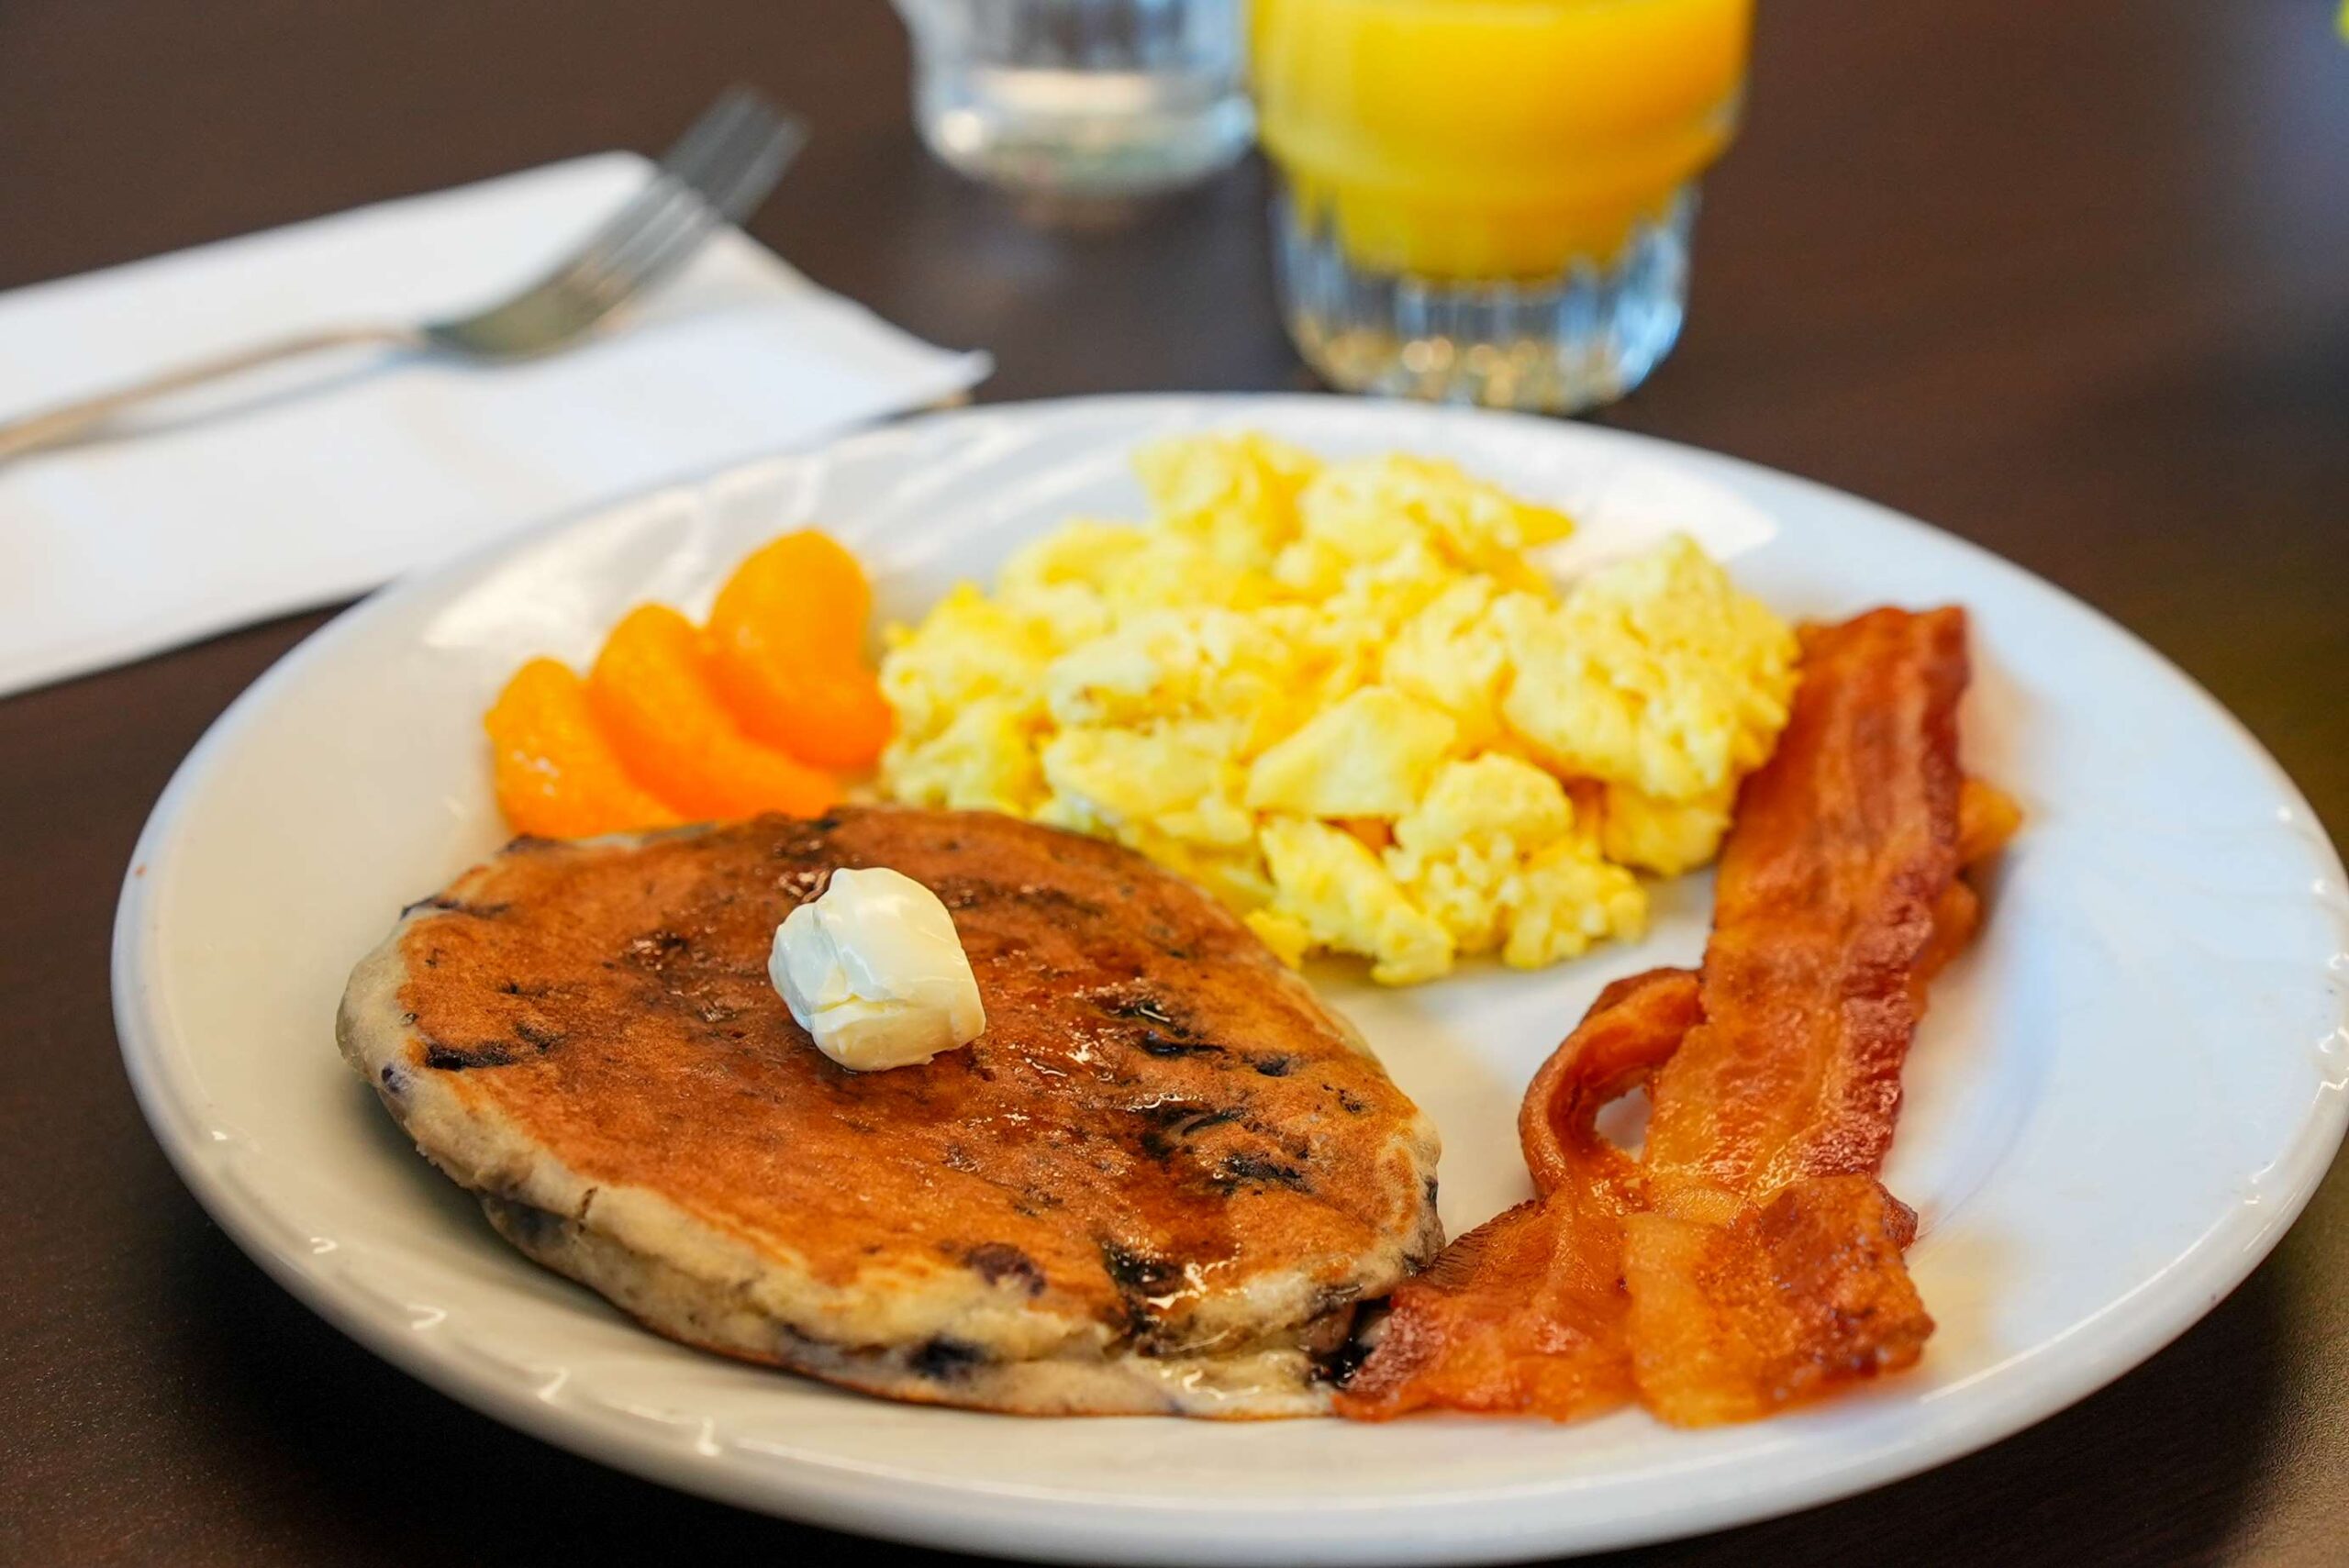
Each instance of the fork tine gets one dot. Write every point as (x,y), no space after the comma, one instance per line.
(720,170)
(687,164)
(736,105)
(733,186)
(741,133)
(761,165)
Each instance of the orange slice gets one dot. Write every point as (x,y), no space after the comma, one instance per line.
(786,651)
(557,777)
(650,692)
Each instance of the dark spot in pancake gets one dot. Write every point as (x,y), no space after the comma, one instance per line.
(1247,1170)
(395,1081)
(516,989)
(1148,1009)
(433,958)
(713,1011)
(1000,1263)
(1275,1066)
(945,1360)
(827,823)
(529,1225)
(1171,1122)
(532,1032)
(1180,955)
(1138,1273)
(457,1059)
(1430,1189)
(1167,1032)
(1347,1101)
(408,1020)
(530,844)
(1163,1045)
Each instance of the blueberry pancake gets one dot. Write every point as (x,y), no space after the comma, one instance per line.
(1159,1182)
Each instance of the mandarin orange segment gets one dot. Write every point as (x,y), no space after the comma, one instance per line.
(786,652)
(650,692)
(557,777)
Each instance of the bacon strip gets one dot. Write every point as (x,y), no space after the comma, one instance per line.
(1526,1313)
(1770,1269)
(1843,845)
(1629,1033)
(1788,1300)
(1751,1260)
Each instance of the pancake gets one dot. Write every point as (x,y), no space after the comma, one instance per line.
(1159,1182)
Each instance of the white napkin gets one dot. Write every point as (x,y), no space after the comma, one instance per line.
(281,493)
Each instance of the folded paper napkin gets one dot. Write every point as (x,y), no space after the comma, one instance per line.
(306,484)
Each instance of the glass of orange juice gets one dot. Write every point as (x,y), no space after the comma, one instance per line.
(1489,201)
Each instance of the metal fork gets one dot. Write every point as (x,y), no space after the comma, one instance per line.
(719,171)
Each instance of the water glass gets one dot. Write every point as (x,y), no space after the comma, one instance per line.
(1080,98)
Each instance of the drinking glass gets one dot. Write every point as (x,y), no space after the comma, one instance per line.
(1083,98)
(1490,201)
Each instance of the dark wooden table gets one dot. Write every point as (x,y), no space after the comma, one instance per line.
(2072,280)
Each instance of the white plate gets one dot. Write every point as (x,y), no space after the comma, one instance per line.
(2120,1099)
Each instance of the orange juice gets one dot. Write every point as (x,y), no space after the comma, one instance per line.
(1472,140)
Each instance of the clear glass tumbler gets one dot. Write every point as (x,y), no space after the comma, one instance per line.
(1082,99)
(1490,201)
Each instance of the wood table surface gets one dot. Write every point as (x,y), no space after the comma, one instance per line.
(2070,279)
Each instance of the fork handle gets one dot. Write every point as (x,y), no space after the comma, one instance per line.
(68,421)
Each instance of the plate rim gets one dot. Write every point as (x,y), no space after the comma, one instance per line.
(998,1518)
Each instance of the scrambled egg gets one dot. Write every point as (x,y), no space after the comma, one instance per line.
(1340,696)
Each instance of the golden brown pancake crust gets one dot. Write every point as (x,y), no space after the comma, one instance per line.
(1157,1115)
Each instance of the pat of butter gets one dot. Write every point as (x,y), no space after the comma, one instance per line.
(873,970)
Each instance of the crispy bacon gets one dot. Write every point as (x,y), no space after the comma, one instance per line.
(1986,817)
(1843,847)
(1525,1314)
(1636,1023)
(1750,1258)
(1770,1270)
(1788,1299)
(1522,1315)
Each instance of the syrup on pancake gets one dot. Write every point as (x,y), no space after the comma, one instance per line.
(1162,1159)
